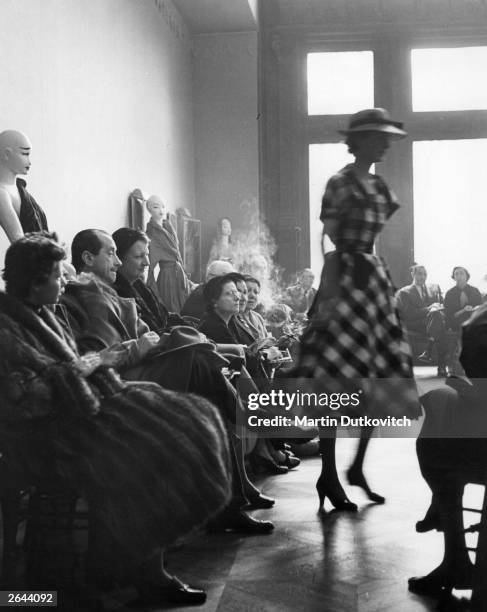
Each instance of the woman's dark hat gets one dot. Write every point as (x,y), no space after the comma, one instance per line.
(374,120)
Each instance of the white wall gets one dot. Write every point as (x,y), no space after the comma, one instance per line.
(226,128)
(103,89)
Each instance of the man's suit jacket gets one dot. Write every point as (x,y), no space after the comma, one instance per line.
(412,308)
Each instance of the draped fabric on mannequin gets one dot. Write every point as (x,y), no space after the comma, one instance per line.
(171,285)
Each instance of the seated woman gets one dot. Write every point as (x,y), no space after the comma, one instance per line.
(220,324)
(461,300)
(224,302)
(133,451)
(452,451)
(254,320)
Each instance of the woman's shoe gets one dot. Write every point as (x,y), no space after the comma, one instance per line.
(175,592)
(356,478)
(263,464)
(290,461)
(337,497)
(430,521)
(259,501)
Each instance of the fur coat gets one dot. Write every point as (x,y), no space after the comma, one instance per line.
(134,450)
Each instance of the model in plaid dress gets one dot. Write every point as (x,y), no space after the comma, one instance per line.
(355,336)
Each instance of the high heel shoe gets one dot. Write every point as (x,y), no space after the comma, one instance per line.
(356,478)
(338,498)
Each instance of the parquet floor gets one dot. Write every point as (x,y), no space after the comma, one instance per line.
(335,562)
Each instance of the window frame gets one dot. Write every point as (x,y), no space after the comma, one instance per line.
(392,75)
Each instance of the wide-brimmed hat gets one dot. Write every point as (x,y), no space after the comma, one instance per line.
(374,120)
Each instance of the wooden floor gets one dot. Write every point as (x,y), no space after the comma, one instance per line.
(331,561)
(334,562)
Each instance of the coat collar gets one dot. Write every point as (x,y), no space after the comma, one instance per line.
(42,323)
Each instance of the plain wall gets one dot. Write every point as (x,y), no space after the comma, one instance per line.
(226,130)
(103,89)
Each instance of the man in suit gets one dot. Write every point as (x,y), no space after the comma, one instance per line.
(421,311)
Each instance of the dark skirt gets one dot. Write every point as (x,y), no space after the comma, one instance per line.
(355,341)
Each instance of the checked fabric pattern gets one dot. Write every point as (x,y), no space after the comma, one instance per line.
(356,338)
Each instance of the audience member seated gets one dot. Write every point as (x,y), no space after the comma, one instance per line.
(223,301)
(182,360)
(66,416)
(452,451)
(279,323)
(268,455)
(301,295)
(132,250)
(195,306)
(461,300)
(422,313)
(254,320)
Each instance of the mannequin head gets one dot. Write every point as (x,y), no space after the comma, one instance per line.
(224,227)
(15,150)
(156,208)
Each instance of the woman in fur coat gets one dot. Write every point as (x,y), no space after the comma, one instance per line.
(152,464)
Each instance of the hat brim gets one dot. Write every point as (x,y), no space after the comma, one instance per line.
(390,130)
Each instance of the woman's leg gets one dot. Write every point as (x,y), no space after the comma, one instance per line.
(355,472)
(328,484)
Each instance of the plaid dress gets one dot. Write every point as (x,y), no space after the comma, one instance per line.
(354,336)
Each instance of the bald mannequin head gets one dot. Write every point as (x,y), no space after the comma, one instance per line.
(15,150)
(157,209)
(218,268)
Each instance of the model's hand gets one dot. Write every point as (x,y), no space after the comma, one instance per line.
(146,342)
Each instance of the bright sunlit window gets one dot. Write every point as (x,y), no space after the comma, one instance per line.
(324,161)
(450,214)
(340,83)
(449,79)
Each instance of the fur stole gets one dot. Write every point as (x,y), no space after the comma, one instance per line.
(38,367)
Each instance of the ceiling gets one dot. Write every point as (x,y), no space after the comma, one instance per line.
(213,16)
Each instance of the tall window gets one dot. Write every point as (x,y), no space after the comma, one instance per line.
(440,92)
(449,207)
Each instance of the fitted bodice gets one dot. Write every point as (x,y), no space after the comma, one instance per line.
(360,214)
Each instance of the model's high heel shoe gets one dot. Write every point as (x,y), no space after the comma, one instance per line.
(338,498)
(355,477)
